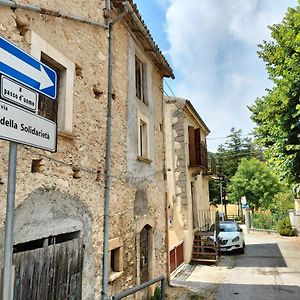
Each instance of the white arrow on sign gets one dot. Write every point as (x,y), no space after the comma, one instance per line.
(37,75)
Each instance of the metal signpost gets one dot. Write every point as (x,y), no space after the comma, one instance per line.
(23,78)
(245,205)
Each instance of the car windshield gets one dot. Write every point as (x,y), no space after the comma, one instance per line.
(228,227)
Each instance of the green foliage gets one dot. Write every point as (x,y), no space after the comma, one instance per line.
(263,221)
(282,202)
(230,154)
(157,294)
(254,180)
(285,228)
(228,158)
(214,191)
(195,296)
(277,114)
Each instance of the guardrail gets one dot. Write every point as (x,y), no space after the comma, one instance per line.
(144,285)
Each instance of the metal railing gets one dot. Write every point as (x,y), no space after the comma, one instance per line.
(205,219)
(144,285)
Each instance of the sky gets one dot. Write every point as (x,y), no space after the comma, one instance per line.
(211,46)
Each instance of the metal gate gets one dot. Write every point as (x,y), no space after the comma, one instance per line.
(50,273)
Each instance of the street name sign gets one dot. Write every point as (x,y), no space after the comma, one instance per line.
(21,126)
(26,69)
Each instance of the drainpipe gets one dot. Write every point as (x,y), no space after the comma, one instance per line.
(166,193)
(167,238)
(110,23)
(38,9)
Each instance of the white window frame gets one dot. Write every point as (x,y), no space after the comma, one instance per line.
(143,79)
(143,137)
(65,97)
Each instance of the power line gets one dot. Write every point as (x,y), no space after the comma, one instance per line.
(228,136)
(169,87)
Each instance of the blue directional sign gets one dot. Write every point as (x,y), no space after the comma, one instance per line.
(26,69)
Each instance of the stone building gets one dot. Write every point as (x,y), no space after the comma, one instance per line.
(60,196)
(187,177)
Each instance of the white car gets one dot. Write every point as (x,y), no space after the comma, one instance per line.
(231,236)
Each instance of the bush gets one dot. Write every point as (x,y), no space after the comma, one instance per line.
(264,221)
(284,227)
(157,293)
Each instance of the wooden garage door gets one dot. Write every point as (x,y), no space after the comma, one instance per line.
(50,273)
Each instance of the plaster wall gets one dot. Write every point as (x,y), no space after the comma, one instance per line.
(180,178)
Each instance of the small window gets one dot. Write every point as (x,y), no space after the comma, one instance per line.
(143,139)
(140,80)
(115,258)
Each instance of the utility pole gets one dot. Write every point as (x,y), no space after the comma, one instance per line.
(221,195)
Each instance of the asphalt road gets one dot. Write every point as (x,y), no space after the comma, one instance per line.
(269,269)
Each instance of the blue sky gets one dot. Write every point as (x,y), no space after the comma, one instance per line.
(211,46)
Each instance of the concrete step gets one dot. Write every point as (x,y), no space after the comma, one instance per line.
(204,253)
(204,260)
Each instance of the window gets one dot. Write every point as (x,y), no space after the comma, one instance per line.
(197,148)
(140,80)
(47,107)
(115,247)
(60,110)
(115,260)
(143,141)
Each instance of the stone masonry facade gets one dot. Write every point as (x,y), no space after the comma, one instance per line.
(65,191)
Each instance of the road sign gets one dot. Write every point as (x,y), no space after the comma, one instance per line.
(245,206)
(26,69)
(244,200)
(18,94)
(21,126)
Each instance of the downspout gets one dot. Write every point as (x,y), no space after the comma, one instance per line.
(110,24)
(167,238)
(166,193)
(43,11)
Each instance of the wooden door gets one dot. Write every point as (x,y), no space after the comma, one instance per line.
(144,254)
(50,273)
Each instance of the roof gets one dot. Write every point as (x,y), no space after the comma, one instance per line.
(137,25)
(185,104)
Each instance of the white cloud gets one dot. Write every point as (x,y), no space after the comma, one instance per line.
(213,46)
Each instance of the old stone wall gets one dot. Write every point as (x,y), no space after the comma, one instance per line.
(83,150)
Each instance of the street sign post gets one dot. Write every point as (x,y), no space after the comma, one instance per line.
(23,77)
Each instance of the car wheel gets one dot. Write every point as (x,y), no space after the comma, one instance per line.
(242,250)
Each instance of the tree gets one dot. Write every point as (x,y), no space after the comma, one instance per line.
(230,154)
(277,114)
(228,158)
(254,180)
